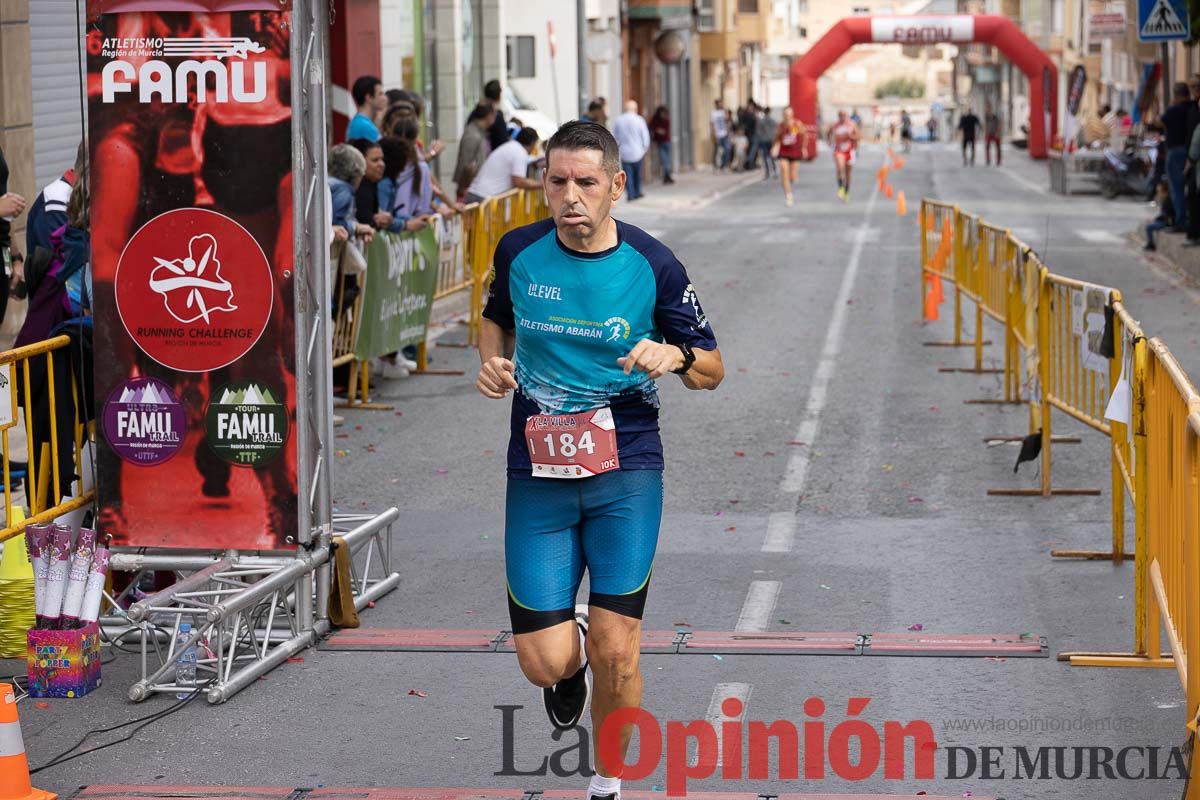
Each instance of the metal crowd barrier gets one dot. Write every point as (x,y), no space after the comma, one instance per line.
(54,479)
(1077,350)
(466,243)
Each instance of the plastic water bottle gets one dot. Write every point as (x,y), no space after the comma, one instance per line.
(185,663)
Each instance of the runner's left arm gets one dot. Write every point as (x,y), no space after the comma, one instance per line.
(682,321)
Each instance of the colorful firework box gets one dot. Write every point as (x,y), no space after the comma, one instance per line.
(63,663)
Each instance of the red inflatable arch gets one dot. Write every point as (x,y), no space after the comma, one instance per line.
(991,29)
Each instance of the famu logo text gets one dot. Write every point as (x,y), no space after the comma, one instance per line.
(174,70)
(246,424)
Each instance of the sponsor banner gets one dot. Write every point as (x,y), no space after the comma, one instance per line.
(923,29)
(190,121)
(398,295)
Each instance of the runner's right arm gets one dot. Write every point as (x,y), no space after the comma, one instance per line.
(496,368)
(497,337)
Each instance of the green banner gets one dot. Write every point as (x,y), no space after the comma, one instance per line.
(401,278)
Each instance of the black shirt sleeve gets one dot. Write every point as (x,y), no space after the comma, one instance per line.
(498,133)
(499,308)
(5,228)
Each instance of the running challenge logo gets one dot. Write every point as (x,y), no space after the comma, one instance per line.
(854,749)
(194,290)
(202,73)
(184,283)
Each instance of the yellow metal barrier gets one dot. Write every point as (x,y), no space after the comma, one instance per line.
(455,242)
(1191,527)
(24,370)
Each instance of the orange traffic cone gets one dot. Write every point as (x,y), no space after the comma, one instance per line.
(933,296)
(898,163)
(901,206)
(14,768)
(888,191)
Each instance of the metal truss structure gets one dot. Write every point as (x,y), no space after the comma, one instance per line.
(246,612)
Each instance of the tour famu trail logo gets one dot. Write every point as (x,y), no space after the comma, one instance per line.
(246,423)
(143,421)
(192,287)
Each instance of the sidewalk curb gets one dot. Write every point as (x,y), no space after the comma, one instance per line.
(703,201)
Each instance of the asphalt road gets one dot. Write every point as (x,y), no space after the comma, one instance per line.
(835,482)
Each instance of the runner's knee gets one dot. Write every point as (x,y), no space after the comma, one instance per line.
(547,658)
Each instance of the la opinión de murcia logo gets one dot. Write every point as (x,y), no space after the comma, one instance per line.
(202,70)
(192,288)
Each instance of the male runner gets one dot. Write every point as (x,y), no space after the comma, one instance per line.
(843,137)
(591,311)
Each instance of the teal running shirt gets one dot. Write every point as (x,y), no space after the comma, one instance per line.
(574,314)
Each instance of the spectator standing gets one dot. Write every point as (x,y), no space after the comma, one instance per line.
(346,169)
(660,133)
(1193,190)
(719,125)
(968,126)
(498,133)
(741,146)
(597,112)
(906,132)
(398,155)
(49,211)
(991,134)
(11,205)
(366,194)
(633,137)
(473,148)
(505,168)
(372,102)
(765,134)
(1175,121)
(748,119)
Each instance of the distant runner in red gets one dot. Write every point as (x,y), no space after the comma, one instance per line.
(790,140)
(843,137)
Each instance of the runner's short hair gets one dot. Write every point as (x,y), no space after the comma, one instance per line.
(581,135)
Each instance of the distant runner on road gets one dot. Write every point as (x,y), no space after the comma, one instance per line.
(791,138)
(843,138)
(583,315)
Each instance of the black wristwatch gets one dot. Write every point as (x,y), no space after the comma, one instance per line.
(689,358)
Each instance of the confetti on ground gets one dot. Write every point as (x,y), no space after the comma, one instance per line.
(916,627)
(717,657)
(739,453)
(415,693)
(442,471)
(461,738)
(731,528)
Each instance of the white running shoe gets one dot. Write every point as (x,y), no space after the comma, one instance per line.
(788,200)
(390,371)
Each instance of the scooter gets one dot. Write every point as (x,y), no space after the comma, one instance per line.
(1126,172)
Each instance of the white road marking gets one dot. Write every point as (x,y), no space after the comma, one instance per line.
(715,717)
(797,467)
(759,605)
(781,532)
(1099,236)
(1028,184)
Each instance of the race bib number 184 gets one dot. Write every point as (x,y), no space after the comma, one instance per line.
(572,445)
